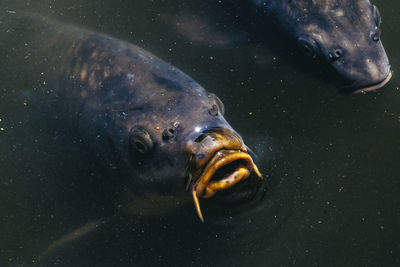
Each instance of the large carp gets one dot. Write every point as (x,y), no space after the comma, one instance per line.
(343,34)
(155,121)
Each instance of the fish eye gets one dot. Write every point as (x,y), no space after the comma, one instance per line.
(213,110)
(140,140)
(217,107)
(309,48)
(377,15)
(376,35)
(220,105)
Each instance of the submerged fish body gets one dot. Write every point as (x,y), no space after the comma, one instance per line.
(160,125)
(343,34)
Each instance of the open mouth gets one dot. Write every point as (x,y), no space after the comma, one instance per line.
(225,169)
(374,86)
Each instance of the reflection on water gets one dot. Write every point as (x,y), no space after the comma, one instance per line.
(330,161)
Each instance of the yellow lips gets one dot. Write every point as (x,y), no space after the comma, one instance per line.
(238,166)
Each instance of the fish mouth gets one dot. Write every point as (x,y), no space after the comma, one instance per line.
(223,171)
(373,87)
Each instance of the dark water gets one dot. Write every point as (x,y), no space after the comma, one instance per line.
(331,161)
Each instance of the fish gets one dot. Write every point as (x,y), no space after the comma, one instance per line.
(130,107)
(344,35)
(70,237)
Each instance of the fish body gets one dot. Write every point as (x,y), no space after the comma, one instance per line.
(343,34)
(129,106)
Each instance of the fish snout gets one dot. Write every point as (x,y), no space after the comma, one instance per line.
(378,77)
(219,161)
(371,86)
(360,71)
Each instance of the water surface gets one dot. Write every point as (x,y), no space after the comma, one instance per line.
(331,162)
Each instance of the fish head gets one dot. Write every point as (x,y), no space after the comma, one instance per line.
(170,132)
(346,36)
(182,141)
(218,159)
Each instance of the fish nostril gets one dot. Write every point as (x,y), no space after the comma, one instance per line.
(338,53)
(376,35)
(168,133)
(335,54)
